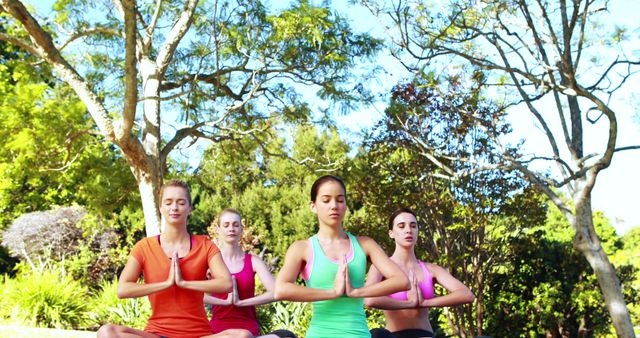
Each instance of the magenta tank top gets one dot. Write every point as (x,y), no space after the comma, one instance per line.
(426,286)
(237,317)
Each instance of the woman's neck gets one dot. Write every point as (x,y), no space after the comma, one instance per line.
(404,255)
(331,232)
(231,250)
(174,234)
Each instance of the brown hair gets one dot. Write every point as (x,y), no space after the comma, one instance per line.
(398,212)
(177,183)
(326,178)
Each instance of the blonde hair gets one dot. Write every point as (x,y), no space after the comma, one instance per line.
(177,183)
(248,241)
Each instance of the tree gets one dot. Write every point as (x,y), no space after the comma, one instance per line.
(272,193)
(543,57)
(208,70)
(545,286)
(462,221)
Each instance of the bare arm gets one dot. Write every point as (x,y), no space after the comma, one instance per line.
(395,280)
(208,299)
(128,286)
(457,294)
(286,287)
(385,302)
(220,283)
(267,280)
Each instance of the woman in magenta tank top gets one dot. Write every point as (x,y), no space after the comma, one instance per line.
(407,313)
(234,314)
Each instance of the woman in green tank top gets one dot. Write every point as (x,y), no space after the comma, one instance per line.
(333,264)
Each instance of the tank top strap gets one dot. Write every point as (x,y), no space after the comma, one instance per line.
(248,263)
(425,271)
(426,286)
(355,245)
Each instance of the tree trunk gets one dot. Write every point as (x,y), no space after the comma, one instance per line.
(586,241)
(149,186)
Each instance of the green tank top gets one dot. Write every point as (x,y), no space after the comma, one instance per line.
(341,317)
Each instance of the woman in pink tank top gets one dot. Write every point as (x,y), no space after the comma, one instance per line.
(407,313)
(234,314)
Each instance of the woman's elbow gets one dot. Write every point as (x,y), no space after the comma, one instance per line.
(227,286)
(121,293)
(470,297)
(369,302)
(279,292)
(406,285)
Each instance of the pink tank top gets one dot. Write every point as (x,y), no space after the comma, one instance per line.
(237,317)
(426,286)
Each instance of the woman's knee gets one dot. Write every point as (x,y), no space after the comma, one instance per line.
(107,331)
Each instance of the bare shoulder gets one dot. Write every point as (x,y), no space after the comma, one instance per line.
(436,269)
(255,259)
(299,249)
(366,240)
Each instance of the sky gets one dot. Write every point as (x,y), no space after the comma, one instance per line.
(617,190)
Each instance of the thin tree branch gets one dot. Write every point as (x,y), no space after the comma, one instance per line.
(174,37)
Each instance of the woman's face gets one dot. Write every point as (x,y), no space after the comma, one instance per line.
(230,228)
(405,229)
(175,207)
(330,204)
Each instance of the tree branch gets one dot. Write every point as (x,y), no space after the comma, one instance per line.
(130,80)
(146,42)
(20,43)
(47,50)
(174,37)
(88,32)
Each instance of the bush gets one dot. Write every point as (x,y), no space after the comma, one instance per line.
(292,316)
(43,237)
(44,299)
(108,308)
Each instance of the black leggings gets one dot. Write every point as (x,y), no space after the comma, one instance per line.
(283,333)
(409,333)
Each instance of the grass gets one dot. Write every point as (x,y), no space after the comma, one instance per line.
(17,331)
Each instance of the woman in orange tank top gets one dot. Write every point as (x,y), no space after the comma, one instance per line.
(174,265)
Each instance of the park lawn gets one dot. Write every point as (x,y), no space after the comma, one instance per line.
(16,331)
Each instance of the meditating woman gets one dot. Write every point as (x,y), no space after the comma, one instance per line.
(333,264)
(407,312)
(174,265)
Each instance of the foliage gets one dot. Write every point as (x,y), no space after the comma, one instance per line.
(44,237)
(292,316)
(49,155)
(45,298)
(272,193)
(209,70)
(457,213)
(544,286)
(106,307)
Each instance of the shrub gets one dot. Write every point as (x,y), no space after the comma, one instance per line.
(293,316)
(45,299)
(43,237)
(108,308)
